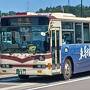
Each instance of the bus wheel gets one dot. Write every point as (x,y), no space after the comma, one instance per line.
(23,77)
(67,72)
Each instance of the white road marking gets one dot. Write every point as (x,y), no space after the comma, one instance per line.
(61,83)
(19,86)
(7,76)
(9,83)
(22,85)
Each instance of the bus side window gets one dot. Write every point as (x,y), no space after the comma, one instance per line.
(78,33)
(68,37)
(86,32)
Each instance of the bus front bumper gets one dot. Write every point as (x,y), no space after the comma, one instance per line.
(26,71)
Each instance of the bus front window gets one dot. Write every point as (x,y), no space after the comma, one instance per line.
(24,34)
(31,40)
(39,39)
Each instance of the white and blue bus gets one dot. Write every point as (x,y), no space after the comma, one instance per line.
(44,44)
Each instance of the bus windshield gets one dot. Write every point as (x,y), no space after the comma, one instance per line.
(24,39)
(24,34)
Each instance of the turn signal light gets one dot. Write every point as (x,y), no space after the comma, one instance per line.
(49,66)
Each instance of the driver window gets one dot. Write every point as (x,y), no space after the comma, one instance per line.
(47,42)
(68,37)
(67,32)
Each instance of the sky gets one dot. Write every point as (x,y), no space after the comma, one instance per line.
(34,5)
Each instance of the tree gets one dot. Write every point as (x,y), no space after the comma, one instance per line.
(12,13)
(76,10)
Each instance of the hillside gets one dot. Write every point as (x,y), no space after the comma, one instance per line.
(76,10)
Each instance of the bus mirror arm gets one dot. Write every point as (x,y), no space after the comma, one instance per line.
(48,34)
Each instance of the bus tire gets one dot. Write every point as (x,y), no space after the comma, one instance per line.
(23,77)
(67,71)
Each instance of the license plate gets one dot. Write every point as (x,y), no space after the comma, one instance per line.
(21,71)
(39,71)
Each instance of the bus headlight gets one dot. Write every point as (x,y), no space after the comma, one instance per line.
(5,66)
(41,58)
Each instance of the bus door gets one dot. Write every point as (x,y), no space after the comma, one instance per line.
(55,37)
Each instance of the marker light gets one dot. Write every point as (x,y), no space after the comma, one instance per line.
(49,66)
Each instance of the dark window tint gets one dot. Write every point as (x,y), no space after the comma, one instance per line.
(43,21)
(5,22)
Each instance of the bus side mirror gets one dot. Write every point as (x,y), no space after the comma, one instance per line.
(48,34)
(45,34)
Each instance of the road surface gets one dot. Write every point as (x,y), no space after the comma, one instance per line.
(78,82)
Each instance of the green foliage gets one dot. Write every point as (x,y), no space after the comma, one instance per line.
(12,13)
(7,13)
(76,10)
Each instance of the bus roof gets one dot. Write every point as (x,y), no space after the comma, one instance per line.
(29,14)
(49,15)
(58,16)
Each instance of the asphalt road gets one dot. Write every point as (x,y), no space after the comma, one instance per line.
(78,82)
(80,85)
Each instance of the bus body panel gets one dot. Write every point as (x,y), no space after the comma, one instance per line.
(80,55)
(26,64)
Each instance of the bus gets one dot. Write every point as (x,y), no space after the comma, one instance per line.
(44,44)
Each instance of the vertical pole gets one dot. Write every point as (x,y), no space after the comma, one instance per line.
(60,44)
(69,6)
(81,9)
(68,2)
(27,5)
